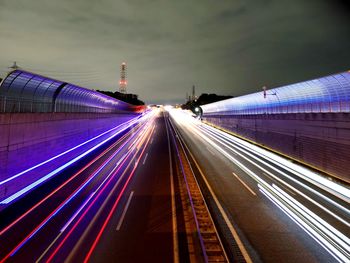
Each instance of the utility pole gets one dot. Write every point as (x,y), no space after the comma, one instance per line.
(265,94)
(14,66)
(193,93)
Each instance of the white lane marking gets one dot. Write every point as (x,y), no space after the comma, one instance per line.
(144,160)
(320,181)
(173,205)
(227,220)
(223,213)
(210,151)
(120,160)
(83,236)
(151,141)
(335,189)
(280,185)
(249,172)
(124,211)
(65,227)
(244,184)
(327,236)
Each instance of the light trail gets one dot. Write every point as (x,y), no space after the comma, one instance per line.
(65,226)
(52,214)
(332,232)
(190,198)
(77,212)
(330,238)
(225,216)
(115,204)
(195,126)
(226,145)
(59,169)
(99,212)
(68,199)
(63,153)
(308,175)
(60,187)
(304,186)
(334,188)
(113,173)
(88,209)
(327,236)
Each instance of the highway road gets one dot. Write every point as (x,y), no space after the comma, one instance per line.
(142,229)
(114,206)
(120,203)
(278,210)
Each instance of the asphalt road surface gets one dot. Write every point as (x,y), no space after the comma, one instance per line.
(252,186)
(118,203)
(116,206)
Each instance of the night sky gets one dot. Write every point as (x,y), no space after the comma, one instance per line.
(225,47)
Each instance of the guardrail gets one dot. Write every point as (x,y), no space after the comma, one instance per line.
(206,237)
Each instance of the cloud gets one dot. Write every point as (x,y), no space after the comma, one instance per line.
(227,47)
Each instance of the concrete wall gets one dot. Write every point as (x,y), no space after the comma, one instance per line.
(30,138)
(24,129)
(321,140)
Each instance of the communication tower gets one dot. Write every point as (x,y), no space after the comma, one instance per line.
(122,82)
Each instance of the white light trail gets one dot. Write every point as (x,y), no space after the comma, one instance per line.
(335,242)
(322,232)
(252,156)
